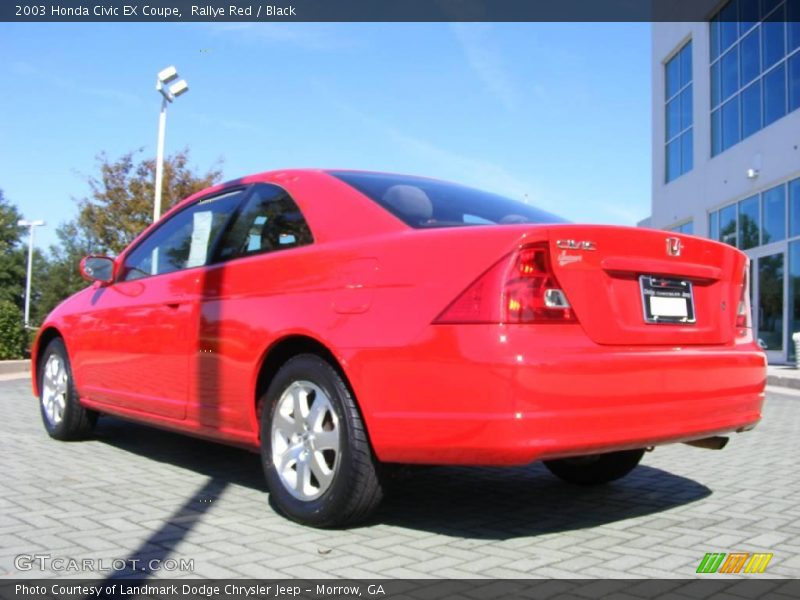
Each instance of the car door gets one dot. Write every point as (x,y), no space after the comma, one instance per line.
(239,298)
(142,325)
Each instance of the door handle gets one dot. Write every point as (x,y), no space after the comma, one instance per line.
(173,305)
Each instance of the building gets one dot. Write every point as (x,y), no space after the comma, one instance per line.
(726,147)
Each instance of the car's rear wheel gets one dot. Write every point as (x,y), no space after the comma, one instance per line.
(63,416)
(595,469)
(315,451)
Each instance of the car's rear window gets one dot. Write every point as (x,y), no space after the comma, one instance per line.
(421,202)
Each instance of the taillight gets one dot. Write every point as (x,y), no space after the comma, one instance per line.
(743,319)
(521,288)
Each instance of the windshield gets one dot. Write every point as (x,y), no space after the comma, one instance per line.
(421,202)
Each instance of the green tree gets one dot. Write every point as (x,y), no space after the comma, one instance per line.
(13,339)
(60,274)
(10,232)
(121,202)
(119,208)
(12,254)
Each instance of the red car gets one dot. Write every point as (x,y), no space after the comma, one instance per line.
(341,321)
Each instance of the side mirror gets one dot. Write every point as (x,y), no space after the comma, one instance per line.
(97,268)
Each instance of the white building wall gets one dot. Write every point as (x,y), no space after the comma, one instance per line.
(713,182)
(773,153)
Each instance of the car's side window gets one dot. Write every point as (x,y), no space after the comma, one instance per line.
(269,220)
(185,240)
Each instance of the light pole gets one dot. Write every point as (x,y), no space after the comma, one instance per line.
(31,225)
(168,94)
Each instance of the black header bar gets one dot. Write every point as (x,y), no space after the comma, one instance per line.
(356,10)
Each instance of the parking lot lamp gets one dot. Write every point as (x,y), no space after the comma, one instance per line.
(180,87)
(31,225)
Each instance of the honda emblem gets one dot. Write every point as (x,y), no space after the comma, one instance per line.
(674,246)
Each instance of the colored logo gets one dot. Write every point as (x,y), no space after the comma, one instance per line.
(735,562)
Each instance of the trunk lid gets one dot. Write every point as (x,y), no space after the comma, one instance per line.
(599,269)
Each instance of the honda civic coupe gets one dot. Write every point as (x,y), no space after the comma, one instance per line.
(341,322)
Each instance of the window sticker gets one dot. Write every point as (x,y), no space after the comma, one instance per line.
(201,236)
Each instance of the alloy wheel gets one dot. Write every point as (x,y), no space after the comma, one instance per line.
(55,382)
(305,440)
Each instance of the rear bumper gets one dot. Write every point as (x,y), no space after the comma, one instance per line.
(483,394)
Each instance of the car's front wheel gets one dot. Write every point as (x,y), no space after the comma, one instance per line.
(317,458)
(595,469)
(63,416)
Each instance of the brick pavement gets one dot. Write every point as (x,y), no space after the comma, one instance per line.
(138,493)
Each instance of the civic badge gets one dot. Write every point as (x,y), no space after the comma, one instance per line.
(674,246)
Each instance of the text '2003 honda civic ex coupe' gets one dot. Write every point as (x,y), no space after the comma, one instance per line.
(342,321)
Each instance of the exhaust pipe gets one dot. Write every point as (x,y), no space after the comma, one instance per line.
(718,442)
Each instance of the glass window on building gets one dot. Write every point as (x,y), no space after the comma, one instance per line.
(773,43)
(792,26)
(678,113)
(794,82)
(713,226)
(794,208)
(731,134)
(727,225)
(773,223)
(774,95)
(751,56)
(769,317)
(759,220)
(768,219)
(755,68)
(687,228)
(749,223)
(794,295)
(751,109)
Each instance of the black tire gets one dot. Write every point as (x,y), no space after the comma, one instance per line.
(595,469)
(354,491)
(75,422)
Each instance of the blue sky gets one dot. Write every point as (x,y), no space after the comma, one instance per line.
(557,113)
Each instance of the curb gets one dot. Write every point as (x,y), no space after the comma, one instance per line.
(9,367)
(786,382)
